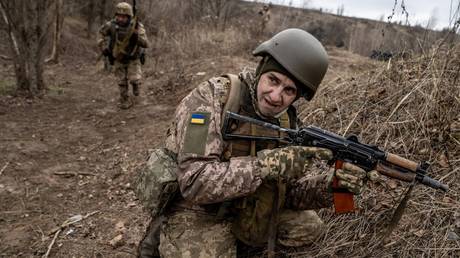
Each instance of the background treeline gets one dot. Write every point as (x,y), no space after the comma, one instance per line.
(40,32)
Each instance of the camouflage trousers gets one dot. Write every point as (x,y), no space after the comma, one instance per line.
(130,73)
(191,234)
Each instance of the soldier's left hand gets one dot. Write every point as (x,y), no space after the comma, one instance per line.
(353,177)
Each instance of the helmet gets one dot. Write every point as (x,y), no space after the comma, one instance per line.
(301,54)
(124,8)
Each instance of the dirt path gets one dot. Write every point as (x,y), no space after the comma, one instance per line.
(74,152)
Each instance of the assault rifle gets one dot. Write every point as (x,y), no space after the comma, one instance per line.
(132,43)
(367,157)
(109,54)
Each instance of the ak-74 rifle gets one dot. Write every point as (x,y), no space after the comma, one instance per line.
(365,156)
(135,26)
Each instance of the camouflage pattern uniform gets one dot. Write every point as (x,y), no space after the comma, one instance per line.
(265,14)
(211,172)
(127,61)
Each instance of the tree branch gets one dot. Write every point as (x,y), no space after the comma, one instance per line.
(7,20)
(7,58)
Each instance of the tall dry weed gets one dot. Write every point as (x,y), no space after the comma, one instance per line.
(408,108)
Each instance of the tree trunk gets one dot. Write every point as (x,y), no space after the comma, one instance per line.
(103,11)
(12,38)
(54,57)
(42,27)
(90,19)
(28,27)
(21,70)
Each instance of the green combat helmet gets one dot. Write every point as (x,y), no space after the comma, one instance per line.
(124,8)
(300,54)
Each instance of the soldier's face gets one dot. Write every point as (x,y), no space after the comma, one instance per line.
(121,19)
(275,92)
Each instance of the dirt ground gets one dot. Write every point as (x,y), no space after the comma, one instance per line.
(73,154)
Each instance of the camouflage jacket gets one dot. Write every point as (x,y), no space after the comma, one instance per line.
(110,34)
(204,174)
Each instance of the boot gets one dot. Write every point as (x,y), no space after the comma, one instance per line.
(148,247)
(138,98)
(135,89)
(125,102)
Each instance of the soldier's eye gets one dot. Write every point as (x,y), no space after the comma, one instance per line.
(273,79)
(291,90)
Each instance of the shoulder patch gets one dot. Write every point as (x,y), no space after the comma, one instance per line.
(197,133)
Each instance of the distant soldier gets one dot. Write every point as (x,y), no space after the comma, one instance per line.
(122,40)
(265,14)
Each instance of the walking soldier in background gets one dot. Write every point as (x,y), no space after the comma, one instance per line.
(264,13)
(122,41)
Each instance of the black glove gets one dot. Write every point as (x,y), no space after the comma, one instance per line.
(133,39)
(142,58)
(106,52)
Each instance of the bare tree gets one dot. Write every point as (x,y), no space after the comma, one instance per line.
(90,18)
(105,7)
(59,20)
(28,24)
(340,10)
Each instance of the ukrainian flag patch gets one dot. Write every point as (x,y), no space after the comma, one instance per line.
(198,119)
(196,135)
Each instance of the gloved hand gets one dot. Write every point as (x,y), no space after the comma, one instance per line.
(106,52)
(134,38)
(352,177)
(289,161)
(308,193)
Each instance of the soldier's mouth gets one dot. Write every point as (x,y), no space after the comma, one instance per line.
(271,104)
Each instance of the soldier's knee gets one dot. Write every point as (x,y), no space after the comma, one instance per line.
(136,82)
(298,228)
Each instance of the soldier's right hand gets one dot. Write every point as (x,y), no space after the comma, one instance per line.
(289,161)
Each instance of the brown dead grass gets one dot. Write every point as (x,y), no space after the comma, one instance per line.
(407,108)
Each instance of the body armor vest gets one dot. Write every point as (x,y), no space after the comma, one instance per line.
(253,212)
(120,43)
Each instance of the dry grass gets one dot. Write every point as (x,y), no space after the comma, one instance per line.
(406,107)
